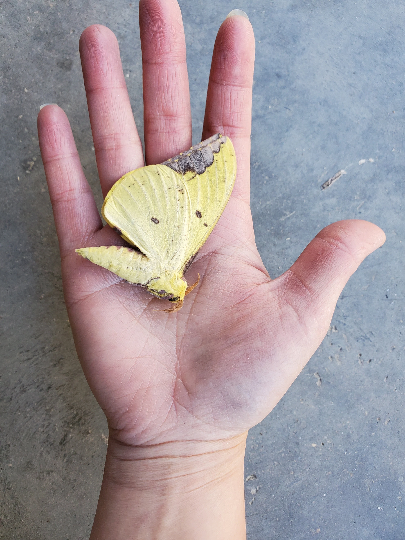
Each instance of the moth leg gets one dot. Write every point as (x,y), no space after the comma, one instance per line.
(191,287)
(178,305)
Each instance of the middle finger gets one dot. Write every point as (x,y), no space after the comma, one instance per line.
(166,94)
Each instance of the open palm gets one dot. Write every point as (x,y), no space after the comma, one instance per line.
(219,365)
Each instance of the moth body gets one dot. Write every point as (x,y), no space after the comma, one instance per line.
(170,286)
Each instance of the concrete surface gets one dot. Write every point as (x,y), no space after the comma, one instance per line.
(329,462)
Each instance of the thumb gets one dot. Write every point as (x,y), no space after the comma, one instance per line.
(311,287)
(305,298)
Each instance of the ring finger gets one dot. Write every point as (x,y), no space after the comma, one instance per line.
(116,140)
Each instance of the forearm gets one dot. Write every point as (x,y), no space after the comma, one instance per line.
(173,492)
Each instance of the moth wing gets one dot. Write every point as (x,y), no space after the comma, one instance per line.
(125,262)
(169,210)
(208,182)
(149,208)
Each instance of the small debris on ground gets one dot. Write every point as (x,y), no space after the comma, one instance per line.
(333,179)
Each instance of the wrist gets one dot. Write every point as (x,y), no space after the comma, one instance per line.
(173,490)
(172,463)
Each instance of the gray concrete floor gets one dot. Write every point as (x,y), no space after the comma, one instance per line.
(329,462)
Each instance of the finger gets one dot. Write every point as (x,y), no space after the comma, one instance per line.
(166,96)
(74,208)
(311,287)
(116,140)
(229,97)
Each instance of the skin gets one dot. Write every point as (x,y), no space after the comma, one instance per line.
(180,390)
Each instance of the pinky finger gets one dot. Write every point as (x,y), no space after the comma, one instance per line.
(75,212)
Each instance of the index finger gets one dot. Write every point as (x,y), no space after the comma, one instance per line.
(229,96)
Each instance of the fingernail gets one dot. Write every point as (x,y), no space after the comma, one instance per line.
(44,105)
(237,13)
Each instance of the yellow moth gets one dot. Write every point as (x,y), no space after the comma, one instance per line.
(166,212)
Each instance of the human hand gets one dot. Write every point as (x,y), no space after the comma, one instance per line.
(198,378)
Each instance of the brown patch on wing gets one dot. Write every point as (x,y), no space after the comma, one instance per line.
(199,157)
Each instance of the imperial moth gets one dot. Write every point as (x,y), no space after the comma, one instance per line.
(166,212)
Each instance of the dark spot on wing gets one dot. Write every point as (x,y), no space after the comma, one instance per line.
(198,158)
(198,214)
(155,220)
(205,225)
